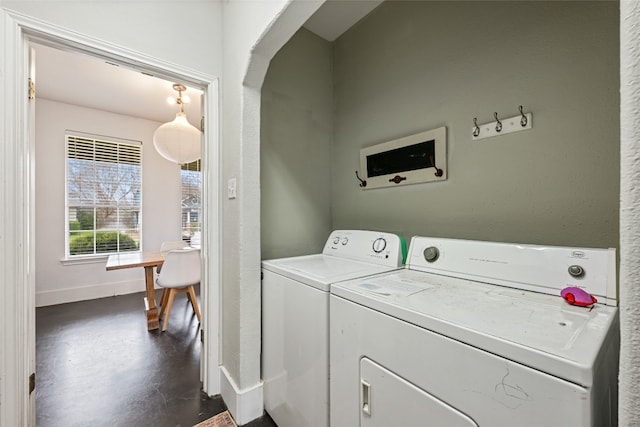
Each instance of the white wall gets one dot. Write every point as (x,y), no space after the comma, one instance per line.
(59,283)
(187,33)
(253,33)
(629,388)
(243,24)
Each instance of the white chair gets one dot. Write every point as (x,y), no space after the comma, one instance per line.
(195,239)
(180,272)
(171,245)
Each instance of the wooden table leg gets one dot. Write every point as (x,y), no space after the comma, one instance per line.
(150,300)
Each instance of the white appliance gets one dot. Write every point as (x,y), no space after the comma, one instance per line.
(295,320)
(476,334)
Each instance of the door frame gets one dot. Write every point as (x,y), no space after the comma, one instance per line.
(17,194)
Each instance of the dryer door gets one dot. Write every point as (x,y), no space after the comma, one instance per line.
(387,399)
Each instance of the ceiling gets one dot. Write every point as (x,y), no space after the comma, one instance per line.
(81,79)
(87,81)
(335,17)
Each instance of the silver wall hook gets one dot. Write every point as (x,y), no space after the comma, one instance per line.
(523,120)
(476,128)
(498,122)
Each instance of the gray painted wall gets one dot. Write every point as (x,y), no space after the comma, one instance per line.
(295,137)
(414,66)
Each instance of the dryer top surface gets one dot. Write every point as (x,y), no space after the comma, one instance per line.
(538,330)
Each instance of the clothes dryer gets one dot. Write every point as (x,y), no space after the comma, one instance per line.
(295,320)
(477,334)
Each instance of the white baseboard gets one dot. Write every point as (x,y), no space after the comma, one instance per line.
(103,290)
(245,405)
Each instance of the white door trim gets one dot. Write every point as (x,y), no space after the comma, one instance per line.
(211,243)
(17,260)
(16,267)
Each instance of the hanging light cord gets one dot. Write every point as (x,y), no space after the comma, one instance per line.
(179,88)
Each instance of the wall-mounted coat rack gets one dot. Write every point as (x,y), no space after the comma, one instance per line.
(523,121)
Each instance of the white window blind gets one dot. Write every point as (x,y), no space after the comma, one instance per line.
(191,177)
(104,184)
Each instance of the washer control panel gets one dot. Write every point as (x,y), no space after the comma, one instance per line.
(369,246)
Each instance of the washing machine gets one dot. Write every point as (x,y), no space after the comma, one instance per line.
(476,334)
(295,320)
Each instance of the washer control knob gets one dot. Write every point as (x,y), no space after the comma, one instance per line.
(576,271)
(336,240)
(345,240)
(431,253)
(379,245)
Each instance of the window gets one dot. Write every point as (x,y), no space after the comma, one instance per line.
(104,183)
(191,177)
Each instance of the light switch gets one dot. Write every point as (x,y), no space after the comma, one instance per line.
(231,188)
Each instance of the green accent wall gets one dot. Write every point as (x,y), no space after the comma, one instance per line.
(295,148)
(412,66)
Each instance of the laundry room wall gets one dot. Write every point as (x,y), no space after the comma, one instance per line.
(295,158)
(414,66)
(59,281)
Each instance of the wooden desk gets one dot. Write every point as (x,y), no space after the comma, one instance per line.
(148,260)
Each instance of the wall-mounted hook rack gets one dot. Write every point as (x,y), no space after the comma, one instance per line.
(522,121)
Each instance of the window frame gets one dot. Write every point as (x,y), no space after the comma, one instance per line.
(97,256)
(195,166)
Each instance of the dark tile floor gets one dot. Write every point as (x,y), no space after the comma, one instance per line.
(97,365)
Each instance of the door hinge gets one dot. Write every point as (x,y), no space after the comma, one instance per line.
(32,89)
(202,124)
(202,336)
(32,382)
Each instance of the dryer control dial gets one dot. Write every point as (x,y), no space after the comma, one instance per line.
(576,271)
(431,253)
(379,245)
(345,240)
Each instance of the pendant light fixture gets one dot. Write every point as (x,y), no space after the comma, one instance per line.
(178,141)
